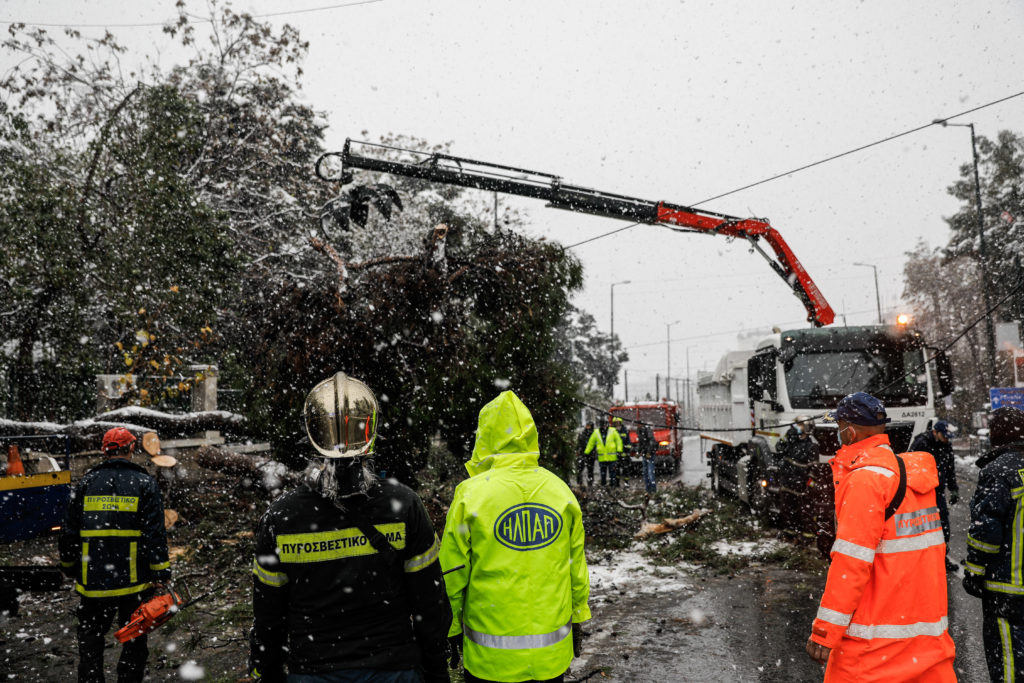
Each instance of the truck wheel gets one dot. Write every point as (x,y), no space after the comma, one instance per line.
(716,481)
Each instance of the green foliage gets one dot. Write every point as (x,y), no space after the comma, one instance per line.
(435,343)
(1001,170)
(728,520)
(945,286)
(174,203)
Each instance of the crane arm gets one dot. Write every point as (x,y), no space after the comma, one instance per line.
(481,175)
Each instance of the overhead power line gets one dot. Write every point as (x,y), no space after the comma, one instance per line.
(748,330)
(604,235)
(934,122)
(195,20)
(861,148)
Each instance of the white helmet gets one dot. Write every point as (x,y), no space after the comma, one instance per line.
(341,417)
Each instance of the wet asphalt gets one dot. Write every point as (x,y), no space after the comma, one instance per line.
(751,626)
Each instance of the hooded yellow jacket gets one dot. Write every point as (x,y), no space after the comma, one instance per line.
(518,530)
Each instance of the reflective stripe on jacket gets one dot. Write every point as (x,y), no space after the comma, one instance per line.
(887,581)
(995,539)
(325,598)
(113,540)
(518,530)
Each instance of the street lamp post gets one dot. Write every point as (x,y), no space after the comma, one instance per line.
(989,328)
(612,325)
(878,299)
(668,357)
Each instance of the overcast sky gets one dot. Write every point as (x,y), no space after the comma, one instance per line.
(673,101)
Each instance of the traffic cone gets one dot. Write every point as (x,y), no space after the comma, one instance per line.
(14,464)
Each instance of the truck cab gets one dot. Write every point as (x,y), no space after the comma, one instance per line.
(753,397)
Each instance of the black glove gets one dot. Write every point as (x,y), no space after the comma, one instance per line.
(974,585)
(455,651)
(954,497)
(577,640)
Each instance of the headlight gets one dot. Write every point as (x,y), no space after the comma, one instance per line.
(764,483)
(663,443)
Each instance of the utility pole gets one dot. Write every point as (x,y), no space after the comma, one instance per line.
(612,321)
(689,387)
(668,357)
(982,261)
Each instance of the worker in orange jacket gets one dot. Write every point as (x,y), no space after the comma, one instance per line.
(883,614)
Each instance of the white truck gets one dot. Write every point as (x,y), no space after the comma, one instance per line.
(746,403)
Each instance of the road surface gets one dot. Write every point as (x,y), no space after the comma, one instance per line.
(686,624)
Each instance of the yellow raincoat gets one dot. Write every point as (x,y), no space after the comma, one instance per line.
(518,529)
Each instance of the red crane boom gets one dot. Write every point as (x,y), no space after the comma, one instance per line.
(482,175)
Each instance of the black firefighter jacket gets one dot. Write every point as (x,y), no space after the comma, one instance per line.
(325,599)
(113,541)
(995,539)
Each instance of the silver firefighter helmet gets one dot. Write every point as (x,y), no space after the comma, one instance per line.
(341,417)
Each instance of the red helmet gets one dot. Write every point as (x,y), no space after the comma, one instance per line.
(116,438)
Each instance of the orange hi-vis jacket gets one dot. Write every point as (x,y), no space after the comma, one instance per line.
(883,613)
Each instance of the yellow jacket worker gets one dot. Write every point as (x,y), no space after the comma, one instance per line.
(518,530)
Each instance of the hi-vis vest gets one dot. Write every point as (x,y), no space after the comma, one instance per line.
(609,448)
(518,530)
(884,608)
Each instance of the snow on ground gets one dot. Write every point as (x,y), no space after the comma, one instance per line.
(746,548)
(630,572)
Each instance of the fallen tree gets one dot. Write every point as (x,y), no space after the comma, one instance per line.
(264,472)
(86,435)
(670,524)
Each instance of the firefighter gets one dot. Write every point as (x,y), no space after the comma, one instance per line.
(799,450)
(995,546)
(938,442)
(518,530)
(883,615)
(346,583)
(113,544)
(584,458)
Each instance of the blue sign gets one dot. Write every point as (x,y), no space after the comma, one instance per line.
(528,526)
(1007,396)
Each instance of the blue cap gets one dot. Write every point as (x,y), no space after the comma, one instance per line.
(860,408)
(944,428)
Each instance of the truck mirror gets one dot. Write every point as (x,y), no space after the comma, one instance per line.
(944,374)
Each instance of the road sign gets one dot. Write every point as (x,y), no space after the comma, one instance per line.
(1006,396)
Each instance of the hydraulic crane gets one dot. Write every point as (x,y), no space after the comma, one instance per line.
(482,175)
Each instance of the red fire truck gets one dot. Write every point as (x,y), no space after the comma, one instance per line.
(663,419)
